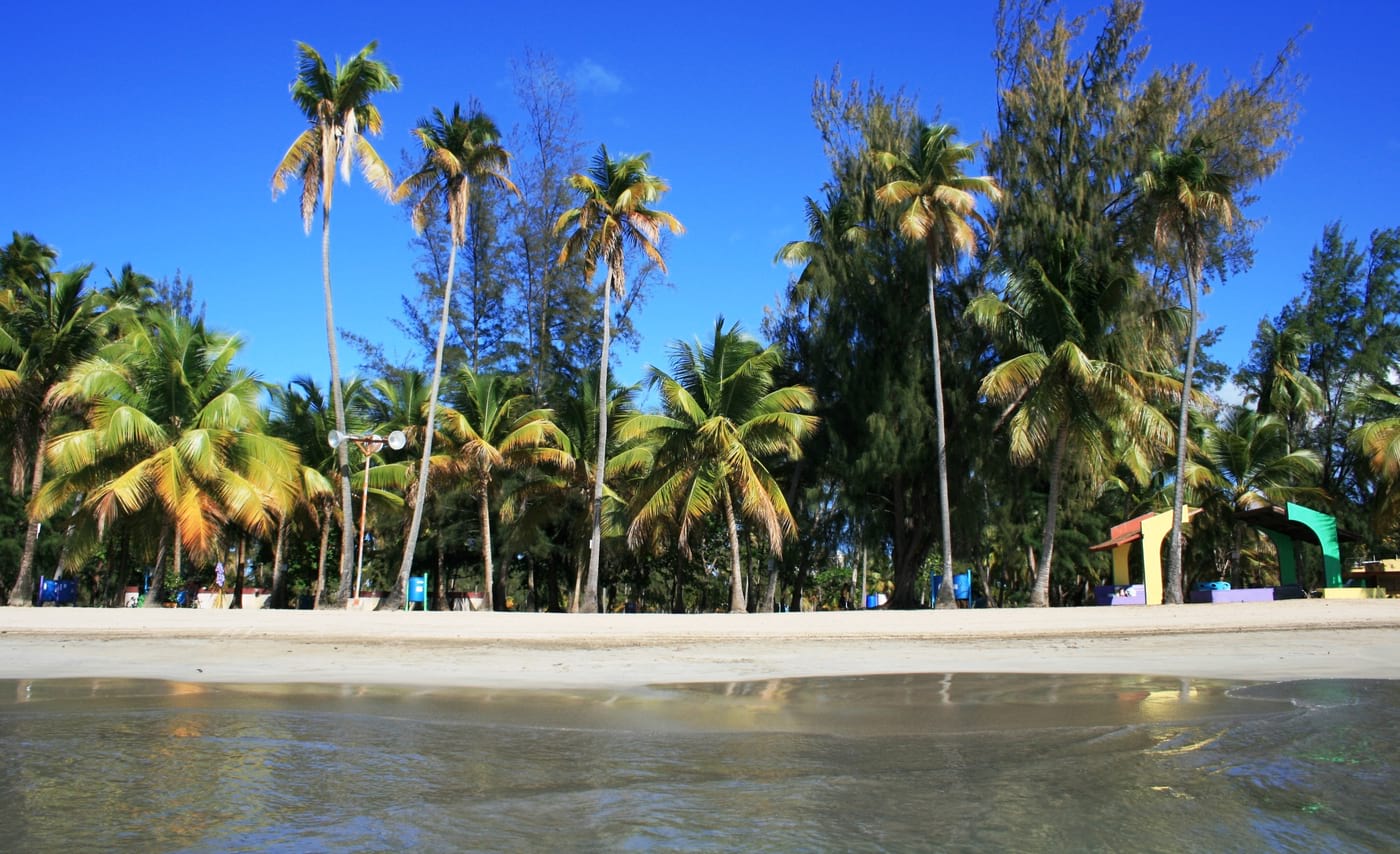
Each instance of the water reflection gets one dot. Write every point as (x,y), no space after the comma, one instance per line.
(954,762)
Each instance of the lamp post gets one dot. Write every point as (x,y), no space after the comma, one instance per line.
(369,446)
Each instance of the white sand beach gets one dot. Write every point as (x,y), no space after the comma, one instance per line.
(1299,639)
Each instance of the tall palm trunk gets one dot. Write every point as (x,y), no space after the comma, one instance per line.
(770,589)
(677,585)
(237,602)
(278,599)
(342,453)
(317,600)
(1174,573)
(488,571)
(157,583)
(411,544)
(440,603)
(580,570)
(22,593)
(177,562)
(945,593)
(737,605)
(589,604)
(1040,592)
(1236,555)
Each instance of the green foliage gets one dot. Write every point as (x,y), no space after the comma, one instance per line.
(171,427)
(722,421)
(857,326)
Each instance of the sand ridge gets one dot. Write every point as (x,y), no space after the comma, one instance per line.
(1314,638)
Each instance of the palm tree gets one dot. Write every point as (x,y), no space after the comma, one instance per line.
(722,419)
(613,215)
(1377,439)
(833,232)
(566,492)
(456,151)
(1185,198)
(339,109)
(1274,379)
(25,259)
(493,433)
(303,417)
(172,426)
(1089,358)
(397,401)
(1245,459)
(299,417)
(54,323)
(936,205)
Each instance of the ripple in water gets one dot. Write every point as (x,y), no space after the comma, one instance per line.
(956,763)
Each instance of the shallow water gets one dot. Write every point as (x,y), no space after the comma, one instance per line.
(888,763)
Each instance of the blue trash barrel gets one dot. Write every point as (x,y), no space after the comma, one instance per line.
(418,589)
(962,585)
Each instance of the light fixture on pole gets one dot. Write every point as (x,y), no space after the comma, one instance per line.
(369,446)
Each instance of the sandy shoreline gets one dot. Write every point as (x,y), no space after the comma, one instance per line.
(1301,639)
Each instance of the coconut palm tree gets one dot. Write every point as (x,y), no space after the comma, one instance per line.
(614,215)
(1089,357)
(302,416)
(1377,439)
(397,401)
(1186,199)
(1275,381)
(564,494)
(299,417)
(722,418)
(833,232)
(457,151)
(1245,459)
(339,109)
(936,205)
(492,432)
(172,426)
(54,323)
(25,259)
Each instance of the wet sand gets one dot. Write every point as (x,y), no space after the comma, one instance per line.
(1301,639)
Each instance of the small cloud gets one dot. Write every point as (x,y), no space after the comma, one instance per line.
(594,79)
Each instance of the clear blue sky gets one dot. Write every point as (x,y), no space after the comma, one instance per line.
(147,133)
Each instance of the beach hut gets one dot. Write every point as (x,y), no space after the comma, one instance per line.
(1149,529)
(1293,523)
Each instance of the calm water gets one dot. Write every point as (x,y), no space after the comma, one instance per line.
(894,763)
